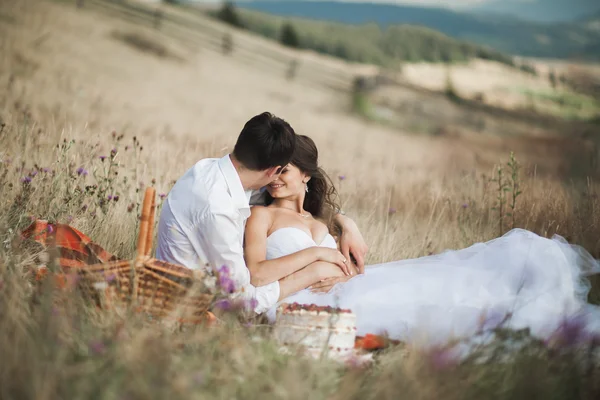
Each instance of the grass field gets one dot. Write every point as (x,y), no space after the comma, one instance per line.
(84,101)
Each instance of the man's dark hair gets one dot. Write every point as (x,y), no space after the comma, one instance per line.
(265,142)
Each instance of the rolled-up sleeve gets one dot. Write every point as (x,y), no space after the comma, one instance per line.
(223,243)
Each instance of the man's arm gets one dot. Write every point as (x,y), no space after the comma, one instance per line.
(222,242)
(352,242)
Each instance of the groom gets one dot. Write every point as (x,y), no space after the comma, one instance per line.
(203,218)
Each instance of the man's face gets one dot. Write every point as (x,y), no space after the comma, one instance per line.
(267,177)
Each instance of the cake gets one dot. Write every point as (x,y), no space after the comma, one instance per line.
(317,329)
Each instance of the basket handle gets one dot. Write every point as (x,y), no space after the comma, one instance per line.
(144,246)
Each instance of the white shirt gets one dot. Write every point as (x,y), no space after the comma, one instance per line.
(202,225)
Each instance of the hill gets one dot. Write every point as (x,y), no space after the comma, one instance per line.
(369,43)
(540,11)
(503,33)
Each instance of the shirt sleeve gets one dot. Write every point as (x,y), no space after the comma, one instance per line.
(223,243)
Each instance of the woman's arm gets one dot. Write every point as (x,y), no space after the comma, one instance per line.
(307,277)
(263,271)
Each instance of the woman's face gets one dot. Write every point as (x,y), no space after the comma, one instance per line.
(291,182)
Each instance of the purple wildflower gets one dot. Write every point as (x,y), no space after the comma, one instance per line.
(465,205)
(111,277)
(223,305)
(571,332)
(342,177)
(69,218)
(162,196)
(102,158)
(97,347)
(110,197)
(81,171)
(33,173)
(227,284)
(26,179)
(45,170)
(252,303)
(50,229)
(224,270)
(391,211)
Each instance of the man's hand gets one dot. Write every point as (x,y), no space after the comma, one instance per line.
(325,285)
(352,242)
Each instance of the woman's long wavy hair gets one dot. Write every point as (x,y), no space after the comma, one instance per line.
(321,199)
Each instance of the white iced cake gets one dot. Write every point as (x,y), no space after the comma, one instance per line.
(316,328)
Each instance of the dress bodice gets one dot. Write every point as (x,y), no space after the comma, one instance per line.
(290,240)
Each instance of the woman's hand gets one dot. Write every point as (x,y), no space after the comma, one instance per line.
(327,284)
(334,257)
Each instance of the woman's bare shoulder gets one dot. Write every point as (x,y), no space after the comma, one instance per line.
(261,213)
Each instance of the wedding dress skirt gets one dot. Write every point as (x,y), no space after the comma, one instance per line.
(520,280)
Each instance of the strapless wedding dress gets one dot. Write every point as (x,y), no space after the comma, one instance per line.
(520,280)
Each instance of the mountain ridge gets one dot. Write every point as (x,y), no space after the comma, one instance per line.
(503,33)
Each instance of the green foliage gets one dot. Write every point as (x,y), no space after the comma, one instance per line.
(368,43)
(229,14)
(450,89)
(528,68)
(288,36)
(507,185)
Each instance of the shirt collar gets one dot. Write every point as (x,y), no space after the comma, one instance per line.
(240,197)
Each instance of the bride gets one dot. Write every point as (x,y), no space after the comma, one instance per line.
(520,280)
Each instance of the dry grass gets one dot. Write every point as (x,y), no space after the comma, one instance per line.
(67,85)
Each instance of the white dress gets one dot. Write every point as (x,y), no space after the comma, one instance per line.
(521,280)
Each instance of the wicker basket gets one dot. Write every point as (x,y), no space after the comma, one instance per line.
(158,288)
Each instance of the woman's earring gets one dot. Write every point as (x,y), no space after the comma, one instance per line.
(306,186)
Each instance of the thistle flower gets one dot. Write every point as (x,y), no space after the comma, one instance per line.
(26,179)
(570,332)
(81,171)
(223,305)
(391,211)
(162,196)
(225,282)
(102,158)
(342,177)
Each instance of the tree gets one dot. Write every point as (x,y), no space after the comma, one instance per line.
(229,15)
(288,36)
